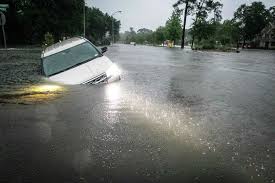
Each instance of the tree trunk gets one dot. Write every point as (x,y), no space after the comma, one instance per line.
(195,23)
(184,25)
(243,43)
(192,45)
(238,47)
(193,36)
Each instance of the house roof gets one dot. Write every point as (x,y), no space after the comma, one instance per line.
(268,28)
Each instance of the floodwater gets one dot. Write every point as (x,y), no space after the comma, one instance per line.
(176,116)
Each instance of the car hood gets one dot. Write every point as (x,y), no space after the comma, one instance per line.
(84,72)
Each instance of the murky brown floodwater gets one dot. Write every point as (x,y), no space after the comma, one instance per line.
(176,116)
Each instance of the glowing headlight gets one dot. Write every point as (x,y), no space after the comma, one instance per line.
(113,71)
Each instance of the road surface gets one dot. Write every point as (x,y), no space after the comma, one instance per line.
(176,116)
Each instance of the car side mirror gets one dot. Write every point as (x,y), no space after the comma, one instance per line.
(104,49)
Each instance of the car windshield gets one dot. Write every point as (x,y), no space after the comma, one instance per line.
(69,58)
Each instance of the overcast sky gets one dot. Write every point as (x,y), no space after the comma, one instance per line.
(154,13)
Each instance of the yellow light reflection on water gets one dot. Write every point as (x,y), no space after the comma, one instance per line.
(46,88)
(40,93)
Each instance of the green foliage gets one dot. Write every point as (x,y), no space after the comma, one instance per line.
(173,27)
(160,35)
(189,6)
(128,36)
(144,36)
(171,31)
(203,8)
(49,40)
(248,21)
(215,35)
(63,18)
(227,33)
(203,29)
(35,18)
(251,19)
(99,24)
(272,14)
(208,44)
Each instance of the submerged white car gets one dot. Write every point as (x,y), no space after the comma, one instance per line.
(77,61)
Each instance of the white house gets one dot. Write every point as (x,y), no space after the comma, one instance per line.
(266,39)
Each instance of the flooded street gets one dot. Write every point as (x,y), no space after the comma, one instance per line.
(176,116)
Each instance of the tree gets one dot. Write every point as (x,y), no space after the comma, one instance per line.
(227,33)
(34,18)
(173,26)
(57,17)
(272,14)
(144,36)
(251,20)
(130,35)
(160,35)
(61,18)
(49,40)
(98,24)
(187,10)
(144,31)
(202,9)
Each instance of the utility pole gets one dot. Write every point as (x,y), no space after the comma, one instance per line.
(113,29)
(84,20)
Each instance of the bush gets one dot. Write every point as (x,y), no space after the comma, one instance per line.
(208,44)
(49,40)
(212,45)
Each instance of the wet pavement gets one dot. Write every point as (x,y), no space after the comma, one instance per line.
(176,116)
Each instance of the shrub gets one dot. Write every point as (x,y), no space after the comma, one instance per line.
(208,44)
(49,40)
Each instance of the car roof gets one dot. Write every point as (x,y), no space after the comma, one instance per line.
(63,45)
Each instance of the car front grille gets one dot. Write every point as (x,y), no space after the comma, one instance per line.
(97,80)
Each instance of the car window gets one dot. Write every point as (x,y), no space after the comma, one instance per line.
(69,58)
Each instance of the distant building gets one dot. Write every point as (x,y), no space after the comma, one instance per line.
(266,39)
